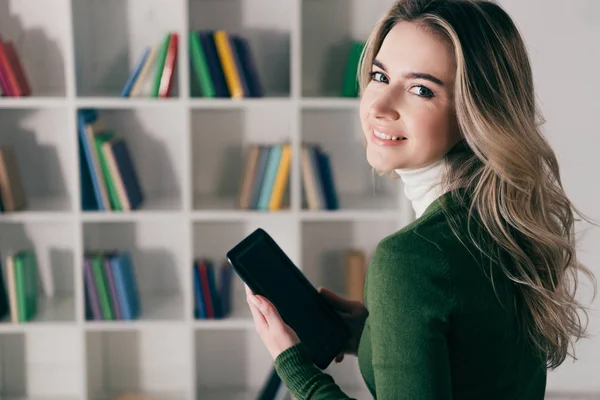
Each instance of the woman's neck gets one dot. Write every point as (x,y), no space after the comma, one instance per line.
(422,186)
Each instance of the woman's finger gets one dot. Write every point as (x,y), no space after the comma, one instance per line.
(269,312)
(257,315)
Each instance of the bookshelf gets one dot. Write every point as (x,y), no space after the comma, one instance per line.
(188,152)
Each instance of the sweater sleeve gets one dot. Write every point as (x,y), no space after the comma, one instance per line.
(303,378)
(408,295)
(409,301)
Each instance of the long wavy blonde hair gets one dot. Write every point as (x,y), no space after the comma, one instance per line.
(507,167)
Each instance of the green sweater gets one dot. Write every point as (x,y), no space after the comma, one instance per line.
(436,329)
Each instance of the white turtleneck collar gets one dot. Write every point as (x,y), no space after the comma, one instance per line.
(422,186)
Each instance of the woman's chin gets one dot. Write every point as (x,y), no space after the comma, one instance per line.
(381,164)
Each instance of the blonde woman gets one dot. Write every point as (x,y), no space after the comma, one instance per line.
(475,298)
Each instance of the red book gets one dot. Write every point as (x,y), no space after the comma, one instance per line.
(202,268)
(166,80)
(13,57)
(8,74)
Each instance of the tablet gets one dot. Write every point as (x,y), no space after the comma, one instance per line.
(269,272)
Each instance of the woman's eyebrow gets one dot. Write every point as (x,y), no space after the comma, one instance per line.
(413,75)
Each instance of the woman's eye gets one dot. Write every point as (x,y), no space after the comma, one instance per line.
(378,77)
(422,91)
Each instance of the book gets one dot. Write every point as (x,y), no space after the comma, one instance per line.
(12,190)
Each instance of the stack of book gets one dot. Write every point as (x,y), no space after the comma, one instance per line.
(266,175)
(223,65)
(109,180)
(111,291)
(19,287)
(350,81)
(12,193)
(318,183)
(13,78)
(155,70)
(212,289)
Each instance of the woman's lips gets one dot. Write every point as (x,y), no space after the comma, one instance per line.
(377,138)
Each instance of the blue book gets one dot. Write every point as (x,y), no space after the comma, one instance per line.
(207,38)
(136,72)
(199,305)
(126,286)
(270,174)
(327,180)
(248,66)
(259,174)
(89,179)
(128,173)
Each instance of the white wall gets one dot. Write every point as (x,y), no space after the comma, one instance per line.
(563,40)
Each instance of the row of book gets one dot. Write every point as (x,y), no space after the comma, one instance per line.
(155,70)
(264,183)
(212,288)
(12,192)
(13,77)
(111,291)
(109,179)
(19,287)
(265,178)
(223,65)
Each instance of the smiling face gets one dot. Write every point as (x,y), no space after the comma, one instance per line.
(406,110)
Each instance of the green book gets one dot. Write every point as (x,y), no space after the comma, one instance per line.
(350,83)
(200,66)
(113,195)
(25,264)
(160,64)
(102,287)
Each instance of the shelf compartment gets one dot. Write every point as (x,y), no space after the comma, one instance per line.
(326,45)
(243,367)
(151,361)
(265,24)
(219,140)
(339,134)
(43,364)
(213,240)
(40,33)
(156,250)
(44,156)
(155,142)
(324,246)
(126,29)
(52,243)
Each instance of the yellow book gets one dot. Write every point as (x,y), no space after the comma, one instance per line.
(230,70)
(12,290)
(281,178)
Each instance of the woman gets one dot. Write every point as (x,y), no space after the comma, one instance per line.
(475,298)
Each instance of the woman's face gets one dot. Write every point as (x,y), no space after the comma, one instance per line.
(409,97)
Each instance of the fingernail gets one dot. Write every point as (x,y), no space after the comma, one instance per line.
(255,300)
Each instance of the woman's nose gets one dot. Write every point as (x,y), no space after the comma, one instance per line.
(384,108)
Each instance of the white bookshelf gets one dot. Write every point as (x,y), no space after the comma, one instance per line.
(188,152)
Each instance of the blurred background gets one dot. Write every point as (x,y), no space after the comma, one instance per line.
(141,139)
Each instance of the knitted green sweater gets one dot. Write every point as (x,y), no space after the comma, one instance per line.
(436,328)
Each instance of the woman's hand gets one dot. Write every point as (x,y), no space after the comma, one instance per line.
(354,313)
(276,335)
